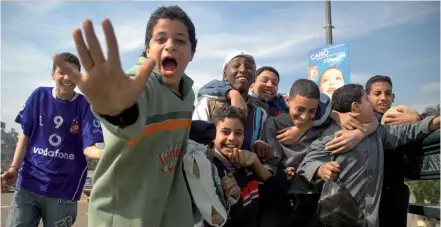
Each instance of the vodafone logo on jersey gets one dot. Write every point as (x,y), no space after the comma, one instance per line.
(53,154)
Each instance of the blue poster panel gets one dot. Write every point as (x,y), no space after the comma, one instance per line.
(329,67)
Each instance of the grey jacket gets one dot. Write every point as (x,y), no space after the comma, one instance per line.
(362,167)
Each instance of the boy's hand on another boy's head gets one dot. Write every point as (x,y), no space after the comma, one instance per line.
(230,186)
(238,101)
(104,84)
(347,120)
(242,157)
(328,170)
(403,116)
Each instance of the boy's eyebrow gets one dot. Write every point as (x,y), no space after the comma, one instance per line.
(181,34)
(178,34)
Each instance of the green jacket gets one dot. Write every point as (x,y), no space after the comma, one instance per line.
(139,180)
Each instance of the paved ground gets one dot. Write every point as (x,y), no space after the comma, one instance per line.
(81,218)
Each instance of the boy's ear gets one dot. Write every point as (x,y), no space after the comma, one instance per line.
(147,49)
(355,107)
(224,76)
(286,97)
(393,97)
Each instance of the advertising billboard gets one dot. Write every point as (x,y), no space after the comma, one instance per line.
(329,67)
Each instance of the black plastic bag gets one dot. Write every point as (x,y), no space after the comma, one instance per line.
(337,207)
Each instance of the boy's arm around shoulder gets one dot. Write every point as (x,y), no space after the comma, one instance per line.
(131,122)
(400,134)
(315,157)
(217,89)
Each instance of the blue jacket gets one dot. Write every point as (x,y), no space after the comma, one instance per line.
(219,88)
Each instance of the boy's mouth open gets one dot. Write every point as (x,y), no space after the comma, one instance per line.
(169,65)
(66,84)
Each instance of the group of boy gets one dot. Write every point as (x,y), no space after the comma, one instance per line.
(270,153)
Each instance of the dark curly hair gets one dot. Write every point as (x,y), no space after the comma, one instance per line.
(343,97)
(172,13)
(68,57)
(227,111)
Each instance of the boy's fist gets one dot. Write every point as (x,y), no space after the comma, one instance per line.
(230,186)
(328,170)
(261,149)
(290,171)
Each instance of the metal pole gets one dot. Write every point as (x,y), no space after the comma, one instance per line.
(328,22)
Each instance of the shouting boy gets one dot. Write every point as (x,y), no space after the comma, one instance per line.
(59,132)
(146,114)
(361,169)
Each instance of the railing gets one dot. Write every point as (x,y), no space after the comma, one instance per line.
(425,165)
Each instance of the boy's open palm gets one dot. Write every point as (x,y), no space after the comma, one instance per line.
(104,83)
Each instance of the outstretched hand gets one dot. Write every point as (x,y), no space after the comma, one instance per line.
(402,116)
(104,84)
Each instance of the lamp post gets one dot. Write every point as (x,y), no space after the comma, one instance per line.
(328,22)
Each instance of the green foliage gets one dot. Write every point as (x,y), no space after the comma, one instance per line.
(9,142)
(425,191)
(432,110)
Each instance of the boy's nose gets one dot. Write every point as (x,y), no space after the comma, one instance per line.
(170,48)
(269,84)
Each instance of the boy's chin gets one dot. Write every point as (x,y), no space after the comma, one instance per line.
(171,78)
(65,90)
(300,123)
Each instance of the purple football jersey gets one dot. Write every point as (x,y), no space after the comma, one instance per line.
(58,132)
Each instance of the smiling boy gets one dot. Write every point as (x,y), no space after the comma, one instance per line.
(239,71)
(304,101)
(242,165)
(59,132)
(265,88)
(146,114)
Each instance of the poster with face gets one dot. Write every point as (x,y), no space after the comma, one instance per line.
(329,67)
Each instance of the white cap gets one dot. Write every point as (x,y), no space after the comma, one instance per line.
(236,54)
